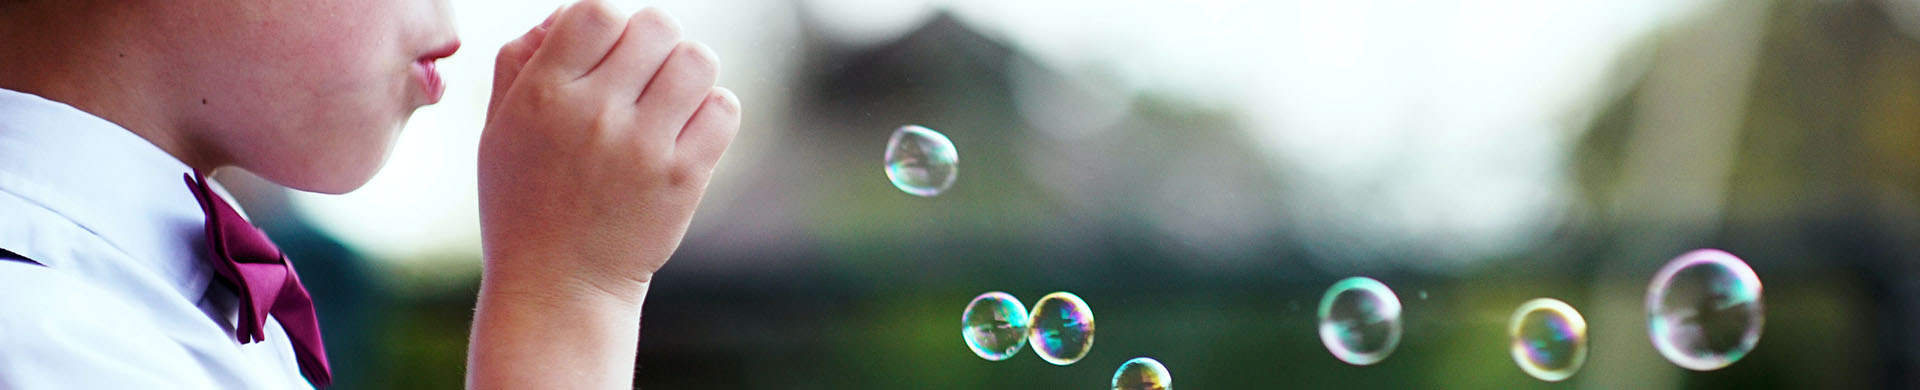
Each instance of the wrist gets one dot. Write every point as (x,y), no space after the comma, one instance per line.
(545,284)
(537,328)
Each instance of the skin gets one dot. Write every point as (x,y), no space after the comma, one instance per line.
(310,94)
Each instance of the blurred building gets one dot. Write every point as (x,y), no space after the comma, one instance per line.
(1788,132)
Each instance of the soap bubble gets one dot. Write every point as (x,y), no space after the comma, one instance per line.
(995,326)
(921,161)
(1062,328)
(1360,321)
(1142,373)
(1704,310)
(1549,339)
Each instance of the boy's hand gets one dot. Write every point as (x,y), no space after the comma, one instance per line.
(600,137)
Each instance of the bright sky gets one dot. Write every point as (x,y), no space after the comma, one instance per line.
(1438,116)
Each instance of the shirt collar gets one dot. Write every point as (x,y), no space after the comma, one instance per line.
(107,180)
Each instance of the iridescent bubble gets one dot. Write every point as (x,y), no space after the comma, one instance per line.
(1062,328)
(921,161)
(1360,321)
(1142,373)
(1704,310)
(1549,339)
(995,326)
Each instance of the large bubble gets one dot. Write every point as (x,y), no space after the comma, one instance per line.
(1549,339)
(1062,330)
(995,326)
(921,161)
(1360,321)
(1704,310)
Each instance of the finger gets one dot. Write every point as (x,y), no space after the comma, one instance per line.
(579,39)
(677,90)
(707,135)
(650,36)
(512,58)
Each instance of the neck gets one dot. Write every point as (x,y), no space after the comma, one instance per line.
(91,55)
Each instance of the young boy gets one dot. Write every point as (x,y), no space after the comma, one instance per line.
(122,268)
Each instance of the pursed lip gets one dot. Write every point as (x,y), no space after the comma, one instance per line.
(424,68)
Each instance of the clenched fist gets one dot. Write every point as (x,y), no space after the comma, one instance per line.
(600,137)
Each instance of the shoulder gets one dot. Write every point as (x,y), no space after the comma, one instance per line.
(59,331)
(30,292)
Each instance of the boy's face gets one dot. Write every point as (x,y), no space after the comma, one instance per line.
(308,93)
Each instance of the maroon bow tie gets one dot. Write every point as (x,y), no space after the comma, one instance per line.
(246,260)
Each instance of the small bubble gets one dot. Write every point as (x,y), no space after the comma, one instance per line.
(1062,331)
(1549,339)
(1142,373)
(921,161)
(995,326)
(1704,310)
(1360,321)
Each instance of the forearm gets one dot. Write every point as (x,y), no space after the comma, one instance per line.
(533,334)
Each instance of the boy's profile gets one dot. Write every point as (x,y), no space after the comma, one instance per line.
(601,133)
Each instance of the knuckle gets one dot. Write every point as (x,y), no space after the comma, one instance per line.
(544,95)
(728,106)
(656,23)
(686,174)
(696,59)
(550,104)
(609,121)
(601,14)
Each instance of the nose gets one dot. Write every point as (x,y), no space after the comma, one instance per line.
(435,28)
(444,50)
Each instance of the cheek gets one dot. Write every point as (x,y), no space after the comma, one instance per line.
(362,64)
(325,119)
(344,138)
(333,112)
(307,94)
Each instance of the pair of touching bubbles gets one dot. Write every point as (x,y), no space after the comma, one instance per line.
(1704,312)
(1060,327)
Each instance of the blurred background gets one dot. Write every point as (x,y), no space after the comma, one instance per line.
(1200,172)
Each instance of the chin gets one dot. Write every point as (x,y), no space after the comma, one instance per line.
(344,178)
(340,186)
(332,162)
(332,182)
(348,170)
(331,174)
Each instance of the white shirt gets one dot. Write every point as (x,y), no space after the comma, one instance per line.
(123,300)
